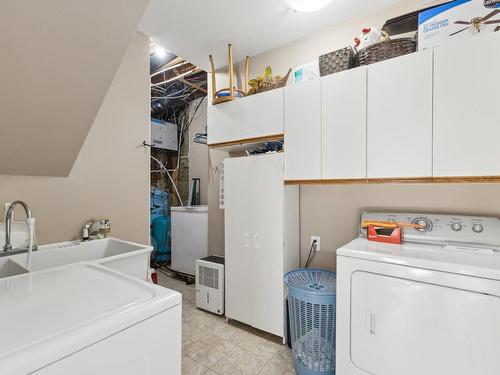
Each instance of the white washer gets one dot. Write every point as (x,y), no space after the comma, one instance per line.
(86,319)
(428,306)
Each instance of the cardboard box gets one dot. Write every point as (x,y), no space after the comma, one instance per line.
(457,20)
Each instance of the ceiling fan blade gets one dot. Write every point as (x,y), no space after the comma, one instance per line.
(492,14)
(463,23)
(492,22)
(459,31)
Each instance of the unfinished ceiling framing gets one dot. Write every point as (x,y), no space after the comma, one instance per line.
(175,83)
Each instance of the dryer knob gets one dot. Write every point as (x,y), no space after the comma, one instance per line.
(457,227)
(478,228)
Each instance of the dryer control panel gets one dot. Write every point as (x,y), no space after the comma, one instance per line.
(442,229)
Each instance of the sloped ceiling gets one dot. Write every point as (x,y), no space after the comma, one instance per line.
(194,29)
(58,58)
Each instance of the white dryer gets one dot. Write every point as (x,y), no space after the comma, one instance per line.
(430,305)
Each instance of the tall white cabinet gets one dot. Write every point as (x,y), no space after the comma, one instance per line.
(467,108)
(343,97)
(261,240)
(303,131)
(399,117)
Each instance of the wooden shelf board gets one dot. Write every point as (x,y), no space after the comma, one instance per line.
(248,141)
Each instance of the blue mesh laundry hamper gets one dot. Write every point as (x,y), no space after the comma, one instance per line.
(311,308)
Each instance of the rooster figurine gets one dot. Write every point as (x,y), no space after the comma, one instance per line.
(369,36)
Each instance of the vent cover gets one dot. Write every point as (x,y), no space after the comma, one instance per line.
(221,188)
(208,277)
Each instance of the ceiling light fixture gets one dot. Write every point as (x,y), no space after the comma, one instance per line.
(307,5)
(160,52)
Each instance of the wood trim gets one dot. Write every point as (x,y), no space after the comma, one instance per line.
(350,181)
(467,179)
(302,182)
(399,180)
(241,142)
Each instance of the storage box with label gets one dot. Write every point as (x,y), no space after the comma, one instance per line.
(457,19)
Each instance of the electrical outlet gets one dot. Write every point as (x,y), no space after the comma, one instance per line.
(318,242)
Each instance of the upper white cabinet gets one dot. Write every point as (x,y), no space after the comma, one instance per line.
(224,122)
(262,114)
(303,131)
(344,125)
(399,117)
(245,119)
(467,108)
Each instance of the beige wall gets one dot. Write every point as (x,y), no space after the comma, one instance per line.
(308,49)
(110,177)
(198,153)
(333,212)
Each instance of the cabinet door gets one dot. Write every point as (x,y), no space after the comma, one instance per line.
(344,125)
(224,122)
(466,108)
(262,114)
(238,227)
(303,131)
(400,117)
(267,243)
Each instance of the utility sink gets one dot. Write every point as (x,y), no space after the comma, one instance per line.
(123,256)
(10,268)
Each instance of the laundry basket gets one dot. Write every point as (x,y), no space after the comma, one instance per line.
(311,307)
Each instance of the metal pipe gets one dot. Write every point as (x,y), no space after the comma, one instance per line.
(8,222)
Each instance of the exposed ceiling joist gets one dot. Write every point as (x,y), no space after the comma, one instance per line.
(178,77)
(198,87)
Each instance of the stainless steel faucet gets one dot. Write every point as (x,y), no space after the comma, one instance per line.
(8,222)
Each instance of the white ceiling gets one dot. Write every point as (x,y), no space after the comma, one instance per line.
(194,29)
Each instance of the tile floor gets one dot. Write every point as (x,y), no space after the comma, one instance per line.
(210,346)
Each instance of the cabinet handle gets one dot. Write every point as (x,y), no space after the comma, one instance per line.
(246,240)
(371,323)
(256,243)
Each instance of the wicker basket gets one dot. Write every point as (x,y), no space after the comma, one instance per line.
(337,61)
(270,85)
(386,50)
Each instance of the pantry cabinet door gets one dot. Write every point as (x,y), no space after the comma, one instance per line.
(238,238)
(262,114)
(303,131)
(267,243)
(399,117)
(224,122)
(344,125)
(467,108)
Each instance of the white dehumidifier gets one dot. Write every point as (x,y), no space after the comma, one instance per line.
(210,284)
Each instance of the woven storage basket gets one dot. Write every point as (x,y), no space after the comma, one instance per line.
(269,85)
(385,50)
(337,61)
